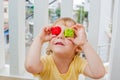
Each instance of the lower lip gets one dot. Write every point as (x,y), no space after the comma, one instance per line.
(59,44)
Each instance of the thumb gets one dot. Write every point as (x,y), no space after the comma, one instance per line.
(52,36)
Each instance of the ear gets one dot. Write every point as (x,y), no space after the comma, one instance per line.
(78,49)
(49,50)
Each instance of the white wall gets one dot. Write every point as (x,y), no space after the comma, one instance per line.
(114,73)
(67,8)
(105,23)
(2,48)
(94,22)
(40,15)
(105,20)
(17,36)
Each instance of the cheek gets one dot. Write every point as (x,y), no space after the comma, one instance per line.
(70,46)
(70,43)
(52,40)
(51,43)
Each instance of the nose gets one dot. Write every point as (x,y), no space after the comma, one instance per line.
(61,35)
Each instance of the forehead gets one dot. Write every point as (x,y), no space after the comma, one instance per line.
(65,23)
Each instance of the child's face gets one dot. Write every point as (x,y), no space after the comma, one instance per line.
(60,43)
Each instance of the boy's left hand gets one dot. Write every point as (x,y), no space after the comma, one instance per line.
(80,35)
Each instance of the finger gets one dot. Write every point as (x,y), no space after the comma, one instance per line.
(78,27)
(74,27)
(44,29)
(52,35)
(82,32)
(47,30)
(75,33)
(75,30)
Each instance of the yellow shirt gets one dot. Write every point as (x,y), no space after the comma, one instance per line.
(50,71)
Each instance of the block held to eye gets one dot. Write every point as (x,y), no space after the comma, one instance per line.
(69,32)
(55,30)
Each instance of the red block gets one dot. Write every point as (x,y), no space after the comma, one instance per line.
(55,30)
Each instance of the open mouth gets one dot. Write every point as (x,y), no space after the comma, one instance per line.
(59,43)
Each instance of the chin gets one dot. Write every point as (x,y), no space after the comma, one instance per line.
(58,50)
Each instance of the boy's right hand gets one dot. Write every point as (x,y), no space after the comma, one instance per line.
(45,35)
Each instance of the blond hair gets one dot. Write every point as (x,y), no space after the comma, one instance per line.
(65,21)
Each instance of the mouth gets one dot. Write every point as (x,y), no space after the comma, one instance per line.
(59,43)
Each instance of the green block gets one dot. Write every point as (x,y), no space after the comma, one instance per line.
(69,32)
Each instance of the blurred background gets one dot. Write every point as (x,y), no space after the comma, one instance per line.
(21,21)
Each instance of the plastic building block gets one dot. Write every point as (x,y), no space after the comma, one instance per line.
(55,30)
(69,32)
